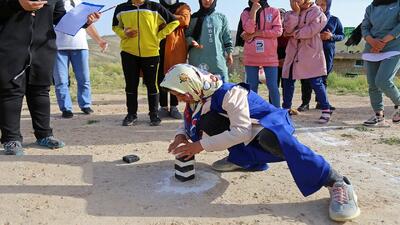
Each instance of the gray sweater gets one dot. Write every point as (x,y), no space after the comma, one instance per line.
(380,21)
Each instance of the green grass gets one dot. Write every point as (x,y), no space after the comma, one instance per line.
(90,122)
(342,85)
(363,129)
(390,141)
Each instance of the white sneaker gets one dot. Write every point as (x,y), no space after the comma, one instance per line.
(223,165)
(343,203)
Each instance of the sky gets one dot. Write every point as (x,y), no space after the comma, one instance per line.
(350,12)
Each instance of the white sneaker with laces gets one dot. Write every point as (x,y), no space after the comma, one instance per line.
(343,204)
(223,165)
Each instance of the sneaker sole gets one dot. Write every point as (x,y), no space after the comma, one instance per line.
(376,125)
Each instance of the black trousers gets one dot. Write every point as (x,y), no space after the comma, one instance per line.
(132,65)
(38,100)
(212,123)
(306,90)
(173,101)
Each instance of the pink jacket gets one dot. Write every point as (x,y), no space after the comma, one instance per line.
(304,51)
(262,50)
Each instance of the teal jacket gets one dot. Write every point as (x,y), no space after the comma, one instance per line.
(380,21)
(216,40)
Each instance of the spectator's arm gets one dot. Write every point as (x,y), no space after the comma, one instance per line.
(226,36)
(117,24)
(166,17)
(312,29)
(248,24)
(276,30)
(366,23)
(290,23)
(59,11)
(338,34)
(184,16)
(395,32)
(92,32)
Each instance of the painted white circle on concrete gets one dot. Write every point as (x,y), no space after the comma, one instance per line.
(203,182)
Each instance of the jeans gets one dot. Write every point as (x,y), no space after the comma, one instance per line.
(271,74)
(317,85)
(79,60)
(380,77)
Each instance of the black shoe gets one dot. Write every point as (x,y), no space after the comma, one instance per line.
(67,114)
(332,107)
(129,120)
(155,120)
(87,110)
(303,107)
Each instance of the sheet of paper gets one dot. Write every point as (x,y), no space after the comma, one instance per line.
(73,21)
(377,57)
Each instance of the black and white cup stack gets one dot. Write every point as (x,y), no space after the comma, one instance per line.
(184,169)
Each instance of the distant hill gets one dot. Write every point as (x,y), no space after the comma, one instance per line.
(111,55)
(113,52)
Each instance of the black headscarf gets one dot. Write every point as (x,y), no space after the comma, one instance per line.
(264,4)
(383,2)
(200,15)
(171,8)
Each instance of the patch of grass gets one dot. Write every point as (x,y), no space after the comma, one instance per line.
(340,84)
(363,129)
(390,141)
(90,122)
(347,136)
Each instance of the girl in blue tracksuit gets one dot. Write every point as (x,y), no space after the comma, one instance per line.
(332,33)
(255,133)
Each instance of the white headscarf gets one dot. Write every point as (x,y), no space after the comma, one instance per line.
(187,79)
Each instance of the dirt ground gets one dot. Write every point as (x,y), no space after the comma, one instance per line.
(87,183)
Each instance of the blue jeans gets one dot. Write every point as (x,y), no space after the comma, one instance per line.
(271,74)
(317,85)
(79,60)
(380,77)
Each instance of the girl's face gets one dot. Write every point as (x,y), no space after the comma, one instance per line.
(322,4)
(304,4)
(187,98)
(207,3)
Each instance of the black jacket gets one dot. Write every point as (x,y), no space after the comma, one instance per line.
(28,41)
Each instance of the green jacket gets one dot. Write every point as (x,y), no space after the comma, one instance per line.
(216,40)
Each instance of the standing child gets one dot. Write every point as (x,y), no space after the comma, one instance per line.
(137,23)
(304,54)
(173,50)
(332,33)
(262,26)
(209,39)
(381,29)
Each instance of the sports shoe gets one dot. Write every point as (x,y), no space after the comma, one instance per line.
(174,113)
(396,115)
(129,120)
(50,142)
(303,107)
(343,204)
(325,117)
(223,165)
(67,114)
(87,110)
(163,112)
(293,112)
(376,121)
(154,120)
(13,148)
